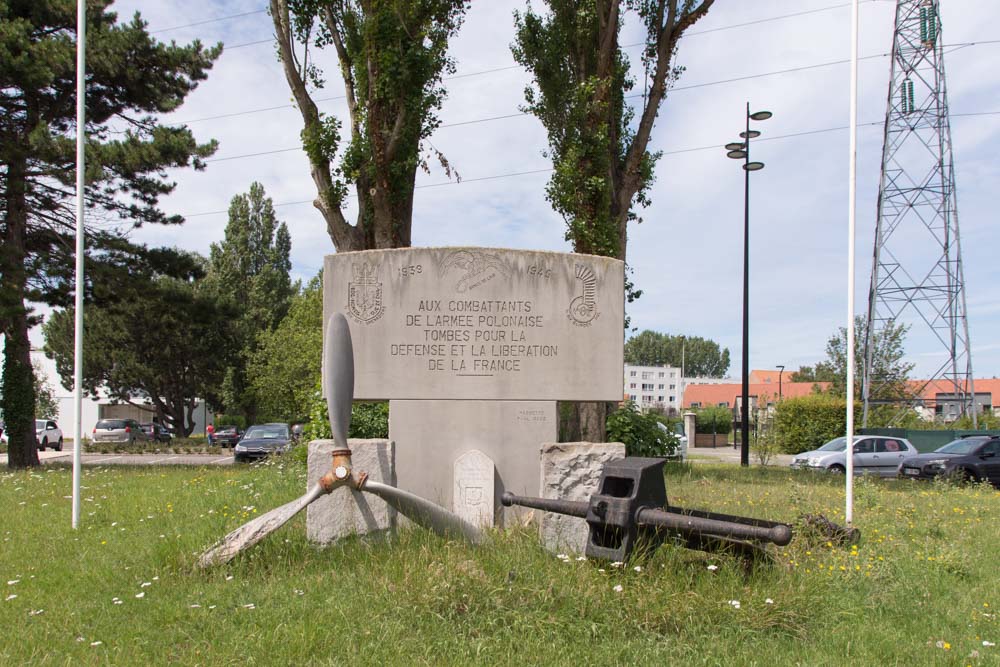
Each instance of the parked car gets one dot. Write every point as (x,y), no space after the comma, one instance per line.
(3,432)
(156,432)
(677,429)
(119,431)
(48,434)
(226,436)
(873,454)
(973,458)
(262,440)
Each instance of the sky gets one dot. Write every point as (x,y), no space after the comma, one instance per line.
(785,56)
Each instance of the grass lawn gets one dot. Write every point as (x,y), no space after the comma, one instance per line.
(921,588)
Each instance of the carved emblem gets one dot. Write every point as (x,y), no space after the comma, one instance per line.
(364,300)
(477,267)
(583,309)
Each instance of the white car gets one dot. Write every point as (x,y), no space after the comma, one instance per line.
(682,442)
(873,454)
(48,434)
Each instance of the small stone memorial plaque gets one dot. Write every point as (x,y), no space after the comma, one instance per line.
(473,496)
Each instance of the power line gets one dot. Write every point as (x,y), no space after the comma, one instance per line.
(678,151)
(206,21)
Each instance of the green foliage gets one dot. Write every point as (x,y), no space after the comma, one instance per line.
(249,271)
(368,420)
(806,422)
(46,405)
(392,58)
(713,419)
(640,433)
(131,80)
(890,371)
(166,340)
(700,357)
(239,421)
(286,365)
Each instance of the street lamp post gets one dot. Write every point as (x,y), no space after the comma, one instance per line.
(740,150)
(781,370)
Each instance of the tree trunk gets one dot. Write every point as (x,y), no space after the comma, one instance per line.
(583,422)
(18,375)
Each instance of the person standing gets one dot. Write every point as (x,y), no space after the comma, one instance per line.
(210,431)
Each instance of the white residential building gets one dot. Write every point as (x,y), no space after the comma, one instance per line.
(654,387)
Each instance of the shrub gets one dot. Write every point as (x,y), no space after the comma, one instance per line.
(714,419)
(807,422)
(239,421)
(368,420)
(640,433)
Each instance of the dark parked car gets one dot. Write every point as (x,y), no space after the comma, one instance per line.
(974,459)
(263,440)
(156,432)
(226,436)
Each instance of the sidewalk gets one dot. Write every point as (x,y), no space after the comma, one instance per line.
(726,454)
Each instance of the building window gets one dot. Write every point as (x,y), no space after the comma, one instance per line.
(647,387)
(647,375)
(647,399)
(673,386)
(662,374)
(631,374)
(672,399)
(696,404)
(659,399)
(660,387)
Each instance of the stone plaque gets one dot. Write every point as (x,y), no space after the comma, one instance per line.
(473,495)
(480,323)
(430,436)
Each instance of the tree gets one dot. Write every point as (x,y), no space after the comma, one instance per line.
(888,366)
(167,344)
(392,55)
(285,369)
(698,356)
(130,78)
(250,270)
(45,399)
(601,163)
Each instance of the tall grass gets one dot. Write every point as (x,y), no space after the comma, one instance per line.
(920,588)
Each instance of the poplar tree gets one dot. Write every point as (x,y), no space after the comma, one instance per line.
(250,269)
(131,78)
(392,56)
(598,143)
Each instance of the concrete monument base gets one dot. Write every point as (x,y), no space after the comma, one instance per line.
(346,511)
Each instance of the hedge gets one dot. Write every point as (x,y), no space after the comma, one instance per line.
(804,423)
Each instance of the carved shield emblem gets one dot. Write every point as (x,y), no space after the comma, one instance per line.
(364,300)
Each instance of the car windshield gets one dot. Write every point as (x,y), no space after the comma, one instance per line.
(836,445)
(39,424)
(267,432)
(962,446)
(110,423)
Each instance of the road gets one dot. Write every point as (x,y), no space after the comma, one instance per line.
(66,456)
(695,456)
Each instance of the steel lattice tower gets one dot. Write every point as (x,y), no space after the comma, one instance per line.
(917,276)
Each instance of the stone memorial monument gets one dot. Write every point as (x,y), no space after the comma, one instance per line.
(472,347)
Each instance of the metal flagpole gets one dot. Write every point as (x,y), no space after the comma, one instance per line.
(851,223)
(81,135)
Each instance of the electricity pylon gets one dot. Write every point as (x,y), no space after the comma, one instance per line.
(917,276)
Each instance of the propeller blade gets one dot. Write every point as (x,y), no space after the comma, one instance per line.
(424,512)
(254,531)
(338,381)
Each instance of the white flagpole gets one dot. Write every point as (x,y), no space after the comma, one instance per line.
(851,224)
(81,135)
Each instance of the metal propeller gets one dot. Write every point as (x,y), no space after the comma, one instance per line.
(338,354)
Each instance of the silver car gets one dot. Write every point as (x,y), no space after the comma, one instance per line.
(873,454)
(119,431)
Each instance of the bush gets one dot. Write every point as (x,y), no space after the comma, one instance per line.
(368,420)
(239,421)
(805,423)
(640,433)
(714,419)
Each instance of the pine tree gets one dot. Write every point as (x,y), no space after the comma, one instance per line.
(131,77)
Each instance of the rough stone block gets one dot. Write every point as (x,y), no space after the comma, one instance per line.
(346,511)
(571,471)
